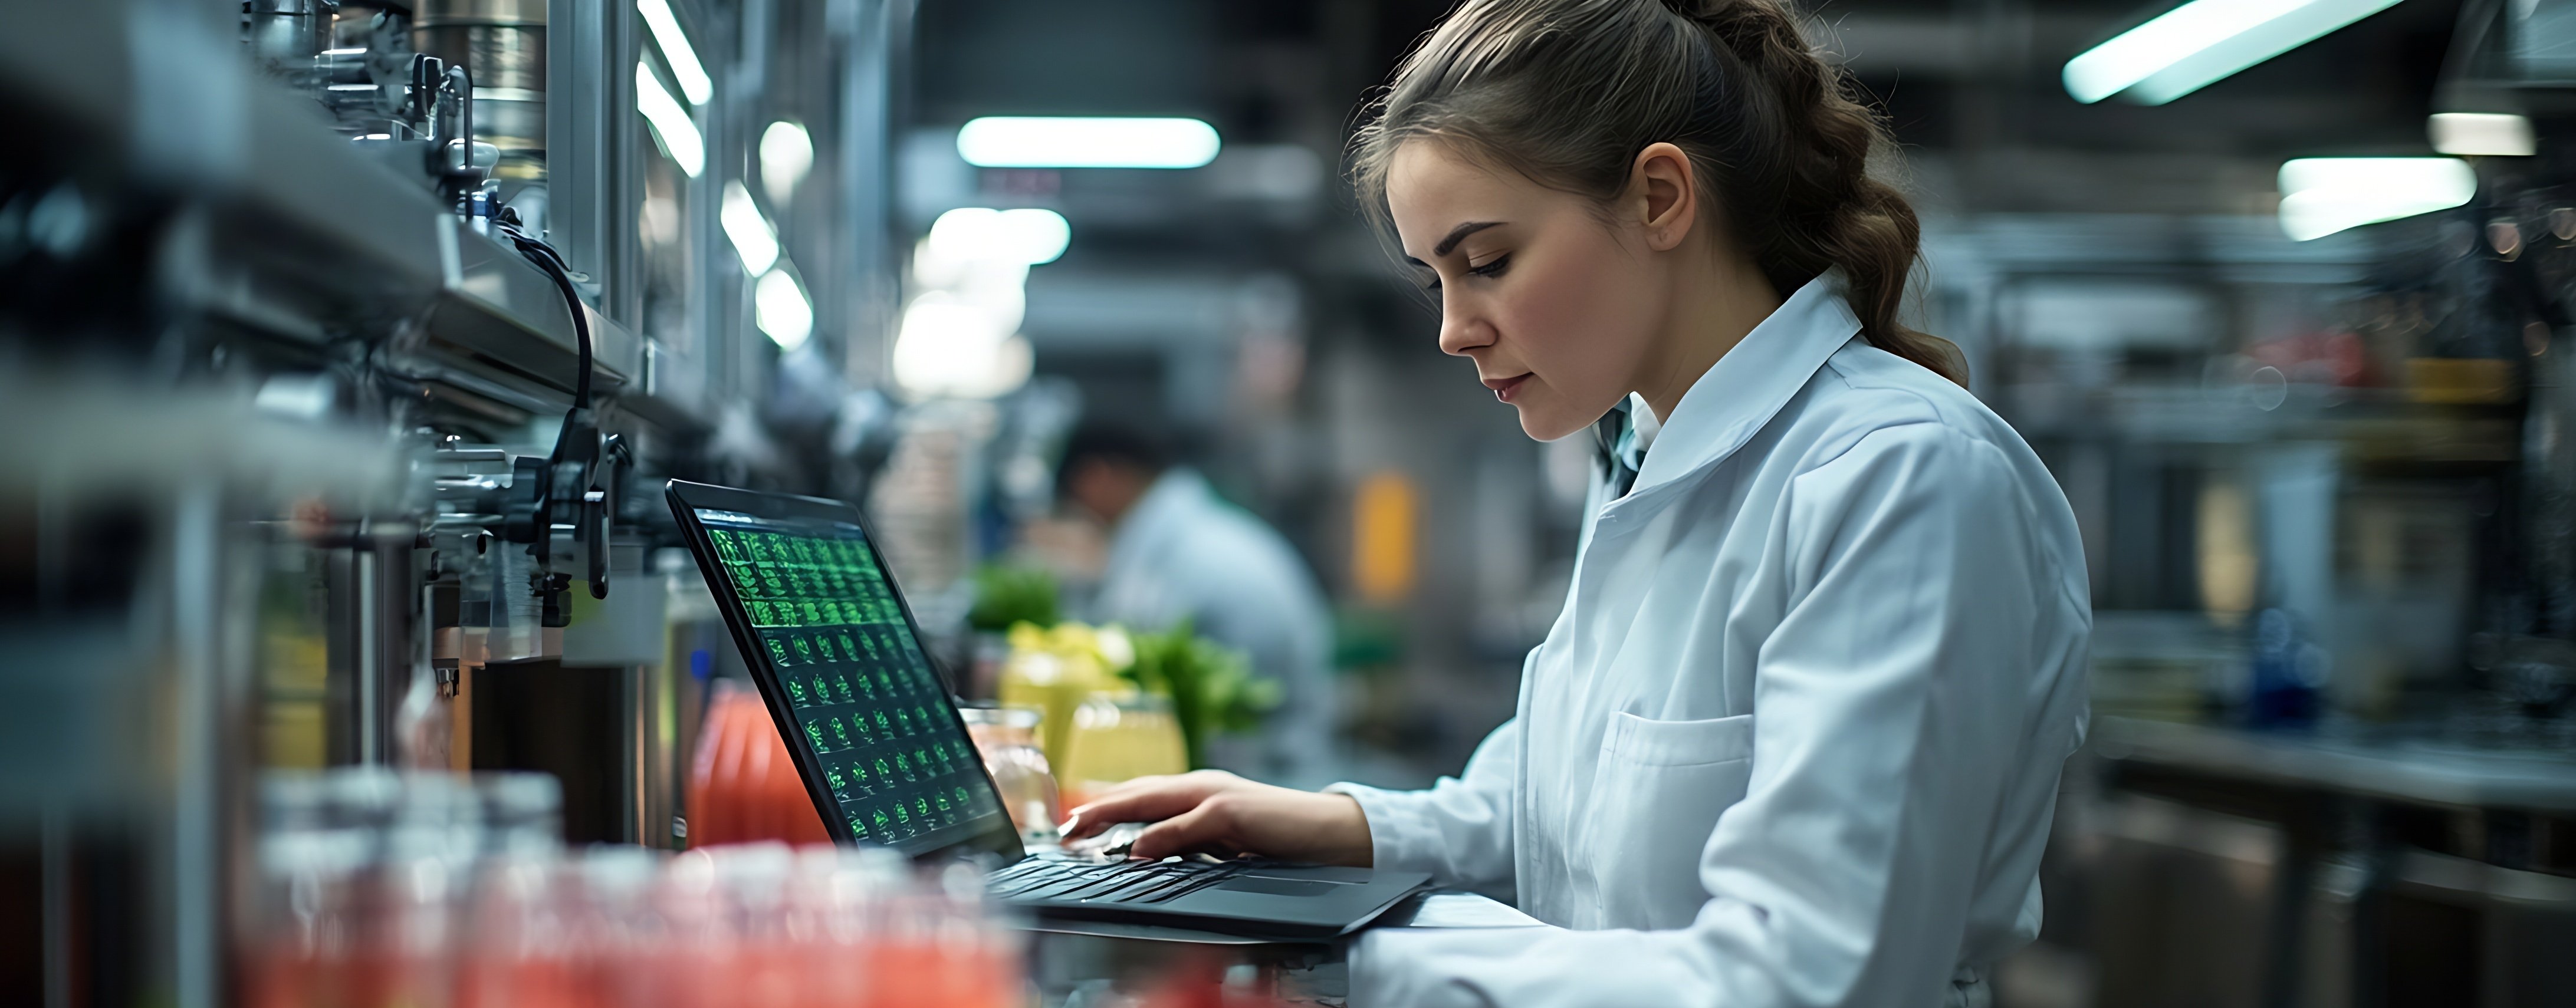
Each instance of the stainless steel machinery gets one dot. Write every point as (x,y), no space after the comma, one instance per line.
(334,340)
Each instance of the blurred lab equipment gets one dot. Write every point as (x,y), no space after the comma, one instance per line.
(2288,671)
(349,328)
(2323,481)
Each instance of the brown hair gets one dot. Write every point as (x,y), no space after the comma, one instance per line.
(1566,92)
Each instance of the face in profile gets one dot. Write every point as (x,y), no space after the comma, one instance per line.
(1556,302)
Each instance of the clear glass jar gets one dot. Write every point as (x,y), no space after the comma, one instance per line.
(1007,737)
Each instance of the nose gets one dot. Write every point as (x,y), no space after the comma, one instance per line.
(1462,331)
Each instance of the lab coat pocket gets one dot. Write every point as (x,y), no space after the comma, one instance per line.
(1655,802)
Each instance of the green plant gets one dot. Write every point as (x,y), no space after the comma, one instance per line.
(1211,686)
(1005,595)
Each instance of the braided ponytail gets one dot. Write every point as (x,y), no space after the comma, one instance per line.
(1568,91)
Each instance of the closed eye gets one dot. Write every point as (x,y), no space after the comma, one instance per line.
(1488,270)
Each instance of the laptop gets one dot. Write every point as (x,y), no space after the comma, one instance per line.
(885,756)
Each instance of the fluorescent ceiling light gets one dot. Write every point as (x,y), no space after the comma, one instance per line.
(947,346)
(2320,196)
(685,67)
(672,127)
(1073,142)
(2490,134)
(786,154)
(753,240)
(2201,42)
(1026,237)
(779,308)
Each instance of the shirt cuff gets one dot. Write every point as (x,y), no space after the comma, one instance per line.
(1398,832)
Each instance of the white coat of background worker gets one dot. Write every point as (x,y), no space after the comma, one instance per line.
(1178,551)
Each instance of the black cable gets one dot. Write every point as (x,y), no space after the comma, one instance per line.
(552,264)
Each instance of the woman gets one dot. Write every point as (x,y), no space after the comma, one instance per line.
(1796,737)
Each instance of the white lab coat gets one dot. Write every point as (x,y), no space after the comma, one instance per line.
(1184,553)
(1795,738)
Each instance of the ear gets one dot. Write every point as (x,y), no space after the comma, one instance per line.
(1663,185)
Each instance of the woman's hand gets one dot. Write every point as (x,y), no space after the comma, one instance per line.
(1215,810)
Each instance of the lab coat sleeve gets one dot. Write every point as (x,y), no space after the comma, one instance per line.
(1460,830)
(1889,708)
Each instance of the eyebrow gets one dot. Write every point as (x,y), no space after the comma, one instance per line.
(1450,242)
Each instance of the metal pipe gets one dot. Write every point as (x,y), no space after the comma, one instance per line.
(395,645)
(197,859)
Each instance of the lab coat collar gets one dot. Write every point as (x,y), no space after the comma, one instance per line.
(1748,386)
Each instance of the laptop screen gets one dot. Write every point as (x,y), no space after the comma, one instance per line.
(869,710)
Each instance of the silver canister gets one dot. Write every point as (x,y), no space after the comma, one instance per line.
(502,43)
(286,37)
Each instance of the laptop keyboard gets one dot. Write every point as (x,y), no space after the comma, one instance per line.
(1070,880)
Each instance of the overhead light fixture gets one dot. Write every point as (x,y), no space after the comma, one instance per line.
(786,154)
(753,240)
(779,308)
(1083,142)
(2201,42)
(946,346)
(672,127)
(2320,196)
(685,67)
(1026,237)
(2488,134)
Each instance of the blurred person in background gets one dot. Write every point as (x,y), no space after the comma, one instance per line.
(1177,551)
(1796,737)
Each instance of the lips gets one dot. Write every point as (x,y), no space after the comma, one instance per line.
(1506,388)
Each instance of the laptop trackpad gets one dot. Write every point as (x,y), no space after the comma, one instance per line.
(1277,886)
